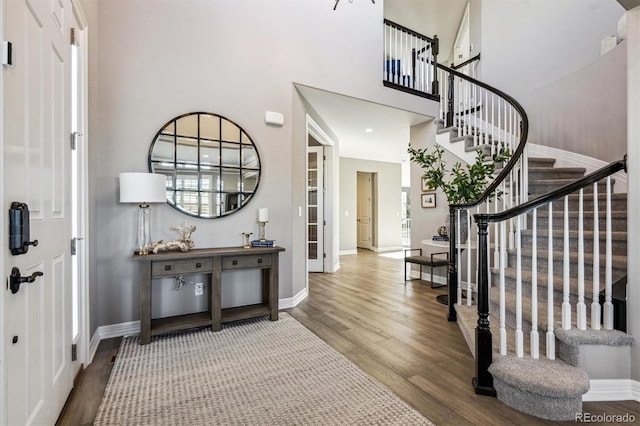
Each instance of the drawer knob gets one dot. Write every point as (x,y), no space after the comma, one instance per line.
(198,265)
(260,260)
(167,267)
(234,262)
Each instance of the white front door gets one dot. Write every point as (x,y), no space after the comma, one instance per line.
(364,210)
(36,162)
(315,208)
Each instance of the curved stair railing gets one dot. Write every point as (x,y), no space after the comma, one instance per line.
(573,246)
(496,121)
(487,119)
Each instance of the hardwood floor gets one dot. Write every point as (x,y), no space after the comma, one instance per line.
(398,333)
(394,331)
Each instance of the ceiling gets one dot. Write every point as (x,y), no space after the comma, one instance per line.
(388,135)
(365,129)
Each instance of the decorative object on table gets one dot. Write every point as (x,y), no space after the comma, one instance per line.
(143,189)
(211,164)
(246,239)
(263,218)
(443,231)
(263,243)
(429,200)
(185,243)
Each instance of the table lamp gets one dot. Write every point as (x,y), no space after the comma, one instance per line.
(143,189)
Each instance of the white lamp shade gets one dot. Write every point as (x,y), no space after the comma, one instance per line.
(142,188)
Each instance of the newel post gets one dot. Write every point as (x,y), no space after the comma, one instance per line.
(453,265)
(450,96)
(435,48)
(483,381)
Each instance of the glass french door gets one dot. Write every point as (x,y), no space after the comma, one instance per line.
(315,209)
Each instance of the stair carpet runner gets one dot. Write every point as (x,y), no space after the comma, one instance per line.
(550,388)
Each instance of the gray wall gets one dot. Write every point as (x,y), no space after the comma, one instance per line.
(539,55)
(633,203)
(153,60)
(388,190)
(426,221)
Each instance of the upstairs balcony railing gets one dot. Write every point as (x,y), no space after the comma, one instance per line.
(410,61)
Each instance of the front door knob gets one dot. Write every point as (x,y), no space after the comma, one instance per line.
(15,279)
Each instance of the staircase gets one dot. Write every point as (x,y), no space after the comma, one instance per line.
(550,243)
(541,385)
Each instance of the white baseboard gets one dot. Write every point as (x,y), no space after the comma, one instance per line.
(133,327)
(93,346)
(613,390)
(571,159)
(348,252)
(426,276)
(292,302)
(383,249)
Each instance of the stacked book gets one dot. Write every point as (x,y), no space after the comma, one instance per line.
(439,238)
(263,243)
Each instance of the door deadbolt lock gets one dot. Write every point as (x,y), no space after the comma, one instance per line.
(15,279)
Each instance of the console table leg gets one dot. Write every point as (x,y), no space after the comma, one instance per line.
(145,303)
(216,294)
(273,287)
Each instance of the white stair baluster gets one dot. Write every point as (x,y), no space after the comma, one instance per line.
(608,306)
(519,334)
(581,308)
(595,302)
(551,338)
(566,279)
(534,337)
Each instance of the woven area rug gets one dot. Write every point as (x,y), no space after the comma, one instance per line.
(255,372)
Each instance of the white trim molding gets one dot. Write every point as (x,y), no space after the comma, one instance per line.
(612,390)
(571,159)
(384,249)
(348,252)
(292,302)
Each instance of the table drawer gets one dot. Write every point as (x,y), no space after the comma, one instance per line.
(177,267)
(242,262)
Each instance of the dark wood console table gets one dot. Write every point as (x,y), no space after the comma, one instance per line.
(211,262)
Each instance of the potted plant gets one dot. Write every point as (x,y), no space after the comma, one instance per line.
(461,184)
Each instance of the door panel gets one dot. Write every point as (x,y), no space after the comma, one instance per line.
(364,210)
(36,160)
(315,209)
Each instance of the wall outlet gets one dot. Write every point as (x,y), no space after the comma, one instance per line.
(199,289)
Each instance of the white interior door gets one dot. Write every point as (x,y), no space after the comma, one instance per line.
(315,208)
(365,208)
(36,162)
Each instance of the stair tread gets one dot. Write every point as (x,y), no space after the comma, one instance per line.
(559,254)
(551,378)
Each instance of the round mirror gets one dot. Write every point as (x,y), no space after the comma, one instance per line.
(211,165)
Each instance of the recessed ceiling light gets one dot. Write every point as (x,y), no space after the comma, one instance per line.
(368,130)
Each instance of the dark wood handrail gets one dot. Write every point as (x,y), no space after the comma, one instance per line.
(515,156)
(561,192)
(407,30)
(467,62)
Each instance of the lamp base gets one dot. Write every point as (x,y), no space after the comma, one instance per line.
(141,252)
